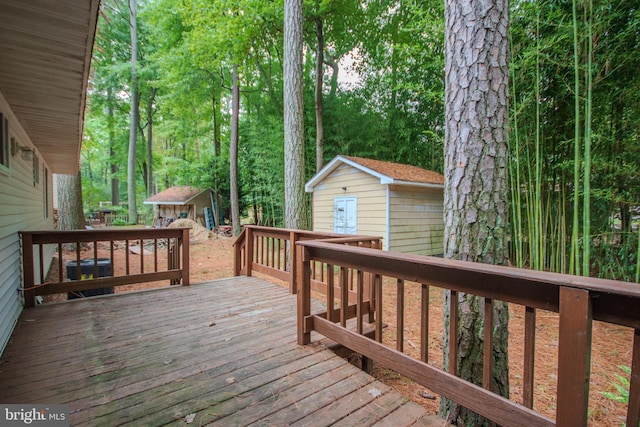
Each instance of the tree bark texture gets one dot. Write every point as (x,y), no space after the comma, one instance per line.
(233,154)
(150,186)
(114,166)
(70,212)
(134,120)
(295,215)
(476,186)
(319,105)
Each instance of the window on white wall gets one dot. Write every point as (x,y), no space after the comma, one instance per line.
(36,170)
(45,187)
(5,150)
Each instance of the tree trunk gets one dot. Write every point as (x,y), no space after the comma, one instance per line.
(295,217)
(233,154)
(70,211)
(134,117)
(476,193)
(115,185)
(150,186)
(319,106)
(217,141)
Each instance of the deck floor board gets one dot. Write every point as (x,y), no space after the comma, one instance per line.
(225,351)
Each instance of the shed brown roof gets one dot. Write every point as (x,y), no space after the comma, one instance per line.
(174,195)
(399,171)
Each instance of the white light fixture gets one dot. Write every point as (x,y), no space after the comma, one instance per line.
(25,152)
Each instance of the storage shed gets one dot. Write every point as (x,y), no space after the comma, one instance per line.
(401,203)
(180,202)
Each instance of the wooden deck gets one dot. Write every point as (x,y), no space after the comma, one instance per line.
(225,351)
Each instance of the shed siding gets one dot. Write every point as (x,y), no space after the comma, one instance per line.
(203,200)
(370,195)
(22,207)
(416,224)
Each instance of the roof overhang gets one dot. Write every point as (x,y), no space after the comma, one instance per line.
(179,202)
(166,203)
(384,179)
(45,57)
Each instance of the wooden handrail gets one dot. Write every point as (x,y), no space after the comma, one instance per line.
(269,251)
(578,300)
(177,270)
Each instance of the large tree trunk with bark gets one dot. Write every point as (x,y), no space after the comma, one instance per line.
(149,181)
(476,193)
(233,154)
(319,106)
(70,211)
(113,164)
(294,206)
(134,117)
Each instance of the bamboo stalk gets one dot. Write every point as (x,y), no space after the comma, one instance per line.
(574,263)
(586,197)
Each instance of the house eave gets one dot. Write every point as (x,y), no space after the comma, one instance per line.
(45,58)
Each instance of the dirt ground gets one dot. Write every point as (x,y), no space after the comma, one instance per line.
(212,258)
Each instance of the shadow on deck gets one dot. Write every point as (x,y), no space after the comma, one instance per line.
(225,351)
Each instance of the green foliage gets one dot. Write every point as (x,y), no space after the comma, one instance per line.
(621,385)
(615,256)
(561,194)
(392,111)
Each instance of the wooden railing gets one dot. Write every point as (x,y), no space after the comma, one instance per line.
(269,251)
(577,300)
(97,247)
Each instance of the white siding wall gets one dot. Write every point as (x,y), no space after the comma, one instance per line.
(22,207)
(371,200)
(416,225)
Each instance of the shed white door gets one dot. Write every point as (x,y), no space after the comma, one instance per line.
(344,215)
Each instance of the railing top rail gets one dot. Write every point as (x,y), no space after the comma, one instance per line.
(349,239)
(307,233)
(76,236)
(240,238)
(614,301)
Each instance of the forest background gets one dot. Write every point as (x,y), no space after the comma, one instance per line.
(374,87)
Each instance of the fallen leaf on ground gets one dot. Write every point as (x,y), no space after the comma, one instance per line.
(375,392)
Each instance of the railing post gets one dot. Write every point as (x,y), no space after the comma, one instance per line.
(27,269)
(574,357)
(633,411)
(304,293)
(185,257)
(248,251)
(237,256)
(293,262)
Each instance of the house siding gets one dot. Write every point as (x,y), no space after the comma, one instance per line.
(22,208)
(416,225)
(370,195)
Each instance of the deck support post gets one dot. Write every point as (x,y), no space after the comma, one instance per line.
(633,411)
(248,251)
(27,270)
(293,263)
(574,357)
(185,256)
(304,293)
